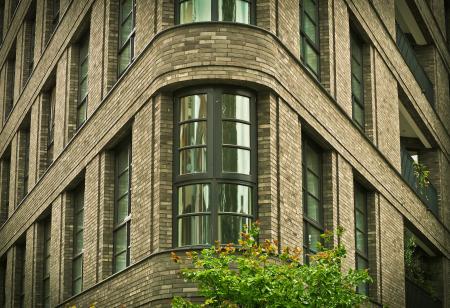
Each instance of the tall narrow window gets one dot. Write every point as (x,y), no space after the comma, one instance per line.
(215,174)
(127,21)
(122,207)
(54,13)
(23,162)
(2,17)
(240,11)
(83,82)
(13,8)
(309,35)
(78,227)
(46,263)
(4,182)
(361,233)
(28,43)
(356,50)
(3,263)
(312,196)
(20,284)
(9,87)
(51,126)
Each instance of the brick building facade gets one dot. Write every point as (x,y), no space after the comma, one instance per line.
(133,128)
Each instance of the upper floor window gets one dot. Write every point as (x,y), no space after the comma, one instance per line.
(23,162)
(356,50)
(78,227)
(5,162)
(46,263)
(309,33)
(10,78)
(215,165)
(241,11)
(361,233)
(313,220)
(51,126)
(83,71)
(127,22)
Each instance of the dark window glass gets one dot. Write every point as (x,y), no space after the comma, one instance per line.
(127,21)
(361,233)
(9,90)
(309,35)
(356,50)
(312,196)
(51,125)
(46,264)
(78,227)
(239,11)
(24,162)
(4,182)
(54,13)
(216,177)
(122,207)
(83,71)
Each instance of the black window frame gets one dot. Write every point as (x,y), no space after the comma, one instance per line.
(355,38)
(307,221)
(77,210)
(214,176)
(21,291)
(305,39)
(121,46)
(46,254)
(51,125)
(83,101)
(26,164)
(126,222)
(361,254)
(10,82)
(215,12)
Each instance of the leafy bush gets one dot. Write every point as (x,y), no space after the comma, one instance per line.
(256,275)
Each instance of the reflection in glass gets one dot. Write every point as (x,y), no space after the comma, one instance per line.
(235,133)
(311,57)
(236,160)
(120,262)
(120,240)
(360,221)
(313,184)
(312,208)
(313,238)
(358,114)
(195,11)
(124,57)
(235,198)
(194,230)
(193,160)
(193,133)
(230,228)
(234,10)
(193,107)
(361,241)
(310,28)
(236,107)
(123,184)
(122,209)
(193,199)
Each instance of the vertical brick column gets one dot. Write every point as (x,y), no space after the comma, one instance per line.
(290,177)
(95,73)
(62,90)
(267,166)
(17,273)
(288,25)
(66,246)
(42,140)
(162,162)
(165,14)
(141,184)
(392,259)
(27,54)
(2,94)
(37,240)
(266,15)
(111,44)
(55,252)
(326,45)
(386,9)
(346,211)
(373,211)
(9,277)
(342,56)
(6,16)
(39,26)
(13,180)
(369,93)
(47,22)
(145,24)
(19,166)
(30,273)
(329,191)
(387,117)
(4,187)
(70,79)
(38,141)
(18,65)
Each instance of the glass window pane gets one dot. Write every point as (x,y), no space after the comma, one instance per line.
(235,198)
(120,239)
(311,58)
(360,221)
(195,10)
(120,262)
(313,184)
(356,49)
(77,267)
(125,30)
(193,199)
(360,199)
(312,159)
(122,209)
(310,8)
(125,8)
(122,159)
(358,114)
(230,228)
(236,107)
(361,263)
(193,133)
(235,160)
(46,293)
(193,107)
(124,57)
(83,89)
(356,88)
(123,184)
(77,286)
(234,10)
(236,133)
(312,208)
(193,160)
(313,237)
(194,230)
(356,70)
(78,243)
(79,217)
(84,69)
(310,29)
(361,242)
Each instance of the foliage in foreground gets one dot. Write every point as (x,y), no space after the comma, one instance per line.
(256,275)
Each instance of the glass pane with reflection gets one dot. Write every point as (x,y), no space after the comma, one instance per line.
(193,160)
(194,230)
(195,11)
(235,198)
(236,160)
(193,199)
(193,107)
(236,133)
(193,133)
(230,228)
(236,107)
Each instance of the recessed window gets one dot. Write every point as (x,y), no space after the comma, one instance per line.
(361,233)
(78,227)
(312,196)
(5,163)
(356,50)
(239,11)
(215,174)
(122,207)
(127,22)
(309,34)
(83,71)
(46,263)
(51,126)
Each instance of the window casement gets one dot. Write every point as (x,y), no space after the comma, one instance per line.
(24,162)
(4,182)
(356,51)
(3,265)
(313,216)
(215,165)
(83,72)
(46,263)
(2,17)
(127,23)
(13,7)
(9,86)
(78,227)
(239,11)
(51,126)
(54,11)
(21,259)
(122,207)
(309,35)
(361,233)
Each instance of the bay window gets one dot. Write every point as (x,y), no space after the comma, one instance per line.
(215,165)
